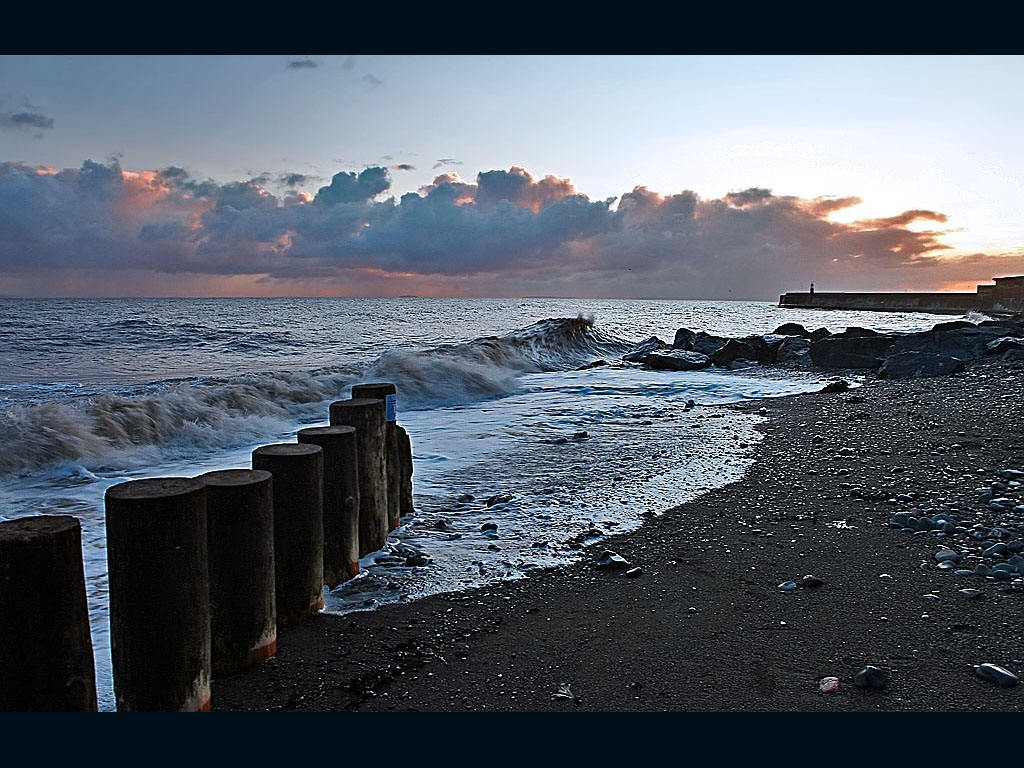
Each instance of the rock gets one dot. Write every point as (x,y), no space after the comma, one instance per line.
(643,349)
(612,561)
(676,360)
(466,497)
(917,365)
(829,685)
(580,435)
(634,573)
(851,351)
(489,527)
(870,677)
(811,582)
(499,498)
(835,386)
(963,343)
(707,343)
(595,364)
(983,570)
(417,561)
(791,329)
(996,674)
(732,350)
(820,333)
(684,339)
(1014,356)
(787,586)
(1003,344)
(952,325)
(793,349)
(947,555)
(971,594)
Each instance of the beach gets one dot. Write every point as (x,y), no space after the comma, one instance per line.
(705,626)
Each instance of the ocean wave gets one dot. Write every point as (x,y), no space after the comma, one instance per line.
(490,366)
(177,418)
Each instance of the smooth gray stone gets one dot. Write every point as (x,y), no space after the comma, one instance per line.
(996,674)
(995,549)
(787,586)
(963,572)
(947,565)
(612,561)
(947,555)
(983,570)
(971,594)
(870,677)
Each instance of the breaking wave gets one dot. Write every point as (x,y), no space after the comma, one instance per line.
(490,366)
(192,416)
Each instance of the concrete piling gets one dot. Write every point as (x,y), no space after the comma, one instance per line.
(368,417)
(341,500)
(240,543)
(159,597)
(298,471)
(46,659)
(389,394)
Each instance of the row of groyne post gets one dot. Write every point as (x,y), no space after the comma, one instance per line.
(202,570)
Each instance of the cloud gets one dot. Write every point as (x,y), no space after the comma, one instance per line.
(349,63)
(446,161)
(403,167)
(372,80)
(302,64)
(292,179)
(27,121)
(505,232)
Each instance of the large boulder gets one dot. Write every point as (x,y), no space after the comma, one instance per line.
(707,343)
(643,349)
(916,365)
(677,360)
(1014,328)
(952,325)
(733,349)
(794,350)
(963,343)
(684,339)
(856,332)
(1004,344)
(851,351)
(791,329)
(820,333)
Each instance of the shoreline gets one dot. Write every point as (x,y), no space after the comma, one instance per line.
(705,627)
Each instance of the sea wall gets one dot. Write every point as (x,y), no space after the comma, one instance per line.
(940,303)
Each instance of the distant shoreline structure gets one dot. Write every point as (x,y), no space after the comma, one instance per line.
(1005,296)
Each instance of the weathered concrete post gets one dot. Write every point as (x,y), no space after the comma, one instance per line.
(46,662)
(405,468)
(389,394)
(240,543)
(159,594)
(341,500)
(367,416)
(298,483)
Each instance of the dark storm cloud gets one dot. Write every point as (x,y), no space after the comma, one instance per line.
(26,121)
(506,232)
(403,167)
(302,64)
(292,179)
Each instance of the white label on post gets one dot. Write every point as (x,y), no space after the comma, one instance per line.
(391,406)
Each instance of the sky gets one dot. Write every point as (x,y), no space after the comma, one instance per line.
(638,177)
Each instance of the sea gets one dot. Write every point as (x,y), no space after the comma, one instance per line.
(510,421)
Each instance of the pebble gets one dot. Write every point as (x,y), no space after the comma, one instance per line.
(489,527)
(612,561)
(930,597)
(634,573)
(811,582)
(829,685)
(996,674)
(787,586)
(982,569)
(870,677)
(947,565)
(947,555)
(971,593)
(963,572)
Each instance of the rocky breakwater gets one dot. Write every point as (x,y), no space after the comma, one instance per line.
(942,350)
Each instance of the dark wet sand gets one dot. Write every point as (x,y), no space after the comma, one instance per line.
(635,644)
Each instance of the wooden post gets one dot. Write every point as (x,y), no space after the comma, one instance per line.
(240,542)
(367,416)
(159,594)
(405,470)
(46,662)
(298,483)
(341,500)
(389,394)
